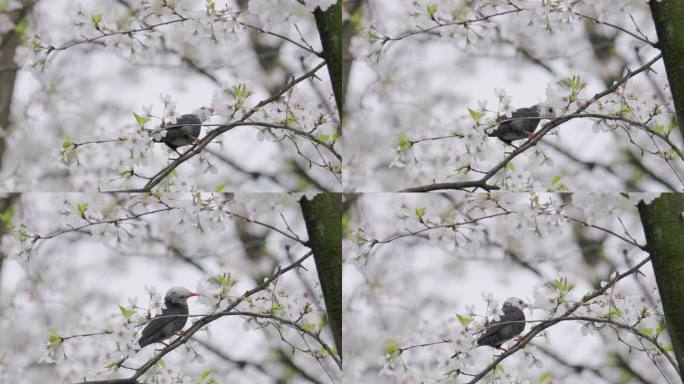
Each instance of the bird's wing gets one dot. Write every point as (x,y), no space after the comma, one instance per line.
(190,130)
(525,125)
(153,332)
(494,335)
(503,329)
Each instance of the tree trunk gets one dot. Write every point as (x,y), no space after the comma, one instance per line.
(323,218)
(663,221)
(668,16)
(329,25)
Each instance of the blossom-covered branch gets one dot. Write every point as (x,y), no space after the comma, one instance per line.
(483,181)
(197,148)
(566,314)
(203,321)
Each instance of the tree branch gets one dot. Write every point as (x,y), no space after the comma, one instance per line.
(199,324)
(161,175)
(548,323)
(482,182)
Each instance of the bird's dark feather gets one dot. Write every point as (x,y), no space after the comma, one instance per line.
(162,328)
(179,134)
(517,129)
(503,329)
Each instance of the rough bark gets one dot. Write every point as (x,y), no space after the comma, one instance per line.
(329,25)
(323,218)
(668,16)
(663,221)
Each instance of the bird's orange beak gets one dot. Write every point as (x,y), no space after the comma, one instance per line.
(525,305)
(193,294)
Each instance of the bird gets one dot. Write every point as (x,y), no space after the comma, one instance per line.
(166,325)
(509,325)
(185,131)
(521,124)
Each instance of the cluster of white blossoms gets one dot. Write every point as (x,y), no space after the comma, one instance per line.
(119,224)
(536,232)
(429,108)
(96,343)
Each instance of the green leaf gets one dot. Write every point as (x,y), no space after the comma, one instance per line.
(392,348)
(420,212)
(614,312)
(219,187)
(313,328)
(431,9)
(240,91)
(82,208)
(20,29)
(96,19)
(141,120)
(6,216)
(464,320)
(555,180)
(323,138)
(53,339)
(276,307)
(510,166)
(658,128)
(211,7)
(126,312)
(660,328)
(66,141)
(544,376)
(161,363)
(224,280)
(205,373)
(475,115)
(404,142)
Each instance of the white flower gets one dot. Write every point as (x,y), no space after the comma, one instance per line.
(464,341)
(223,102)
(387,363)
(504,99)
(323,4)
(544,298)
(271,12)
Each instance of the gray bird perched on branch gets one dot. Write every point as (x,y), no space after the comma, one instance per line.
(185,131)
(509,325)
(521,124)
(172,318)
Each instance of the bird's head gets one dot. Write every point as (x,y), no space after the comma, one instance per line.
(179,295)
(545,110)
(515,302)
(203,113)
